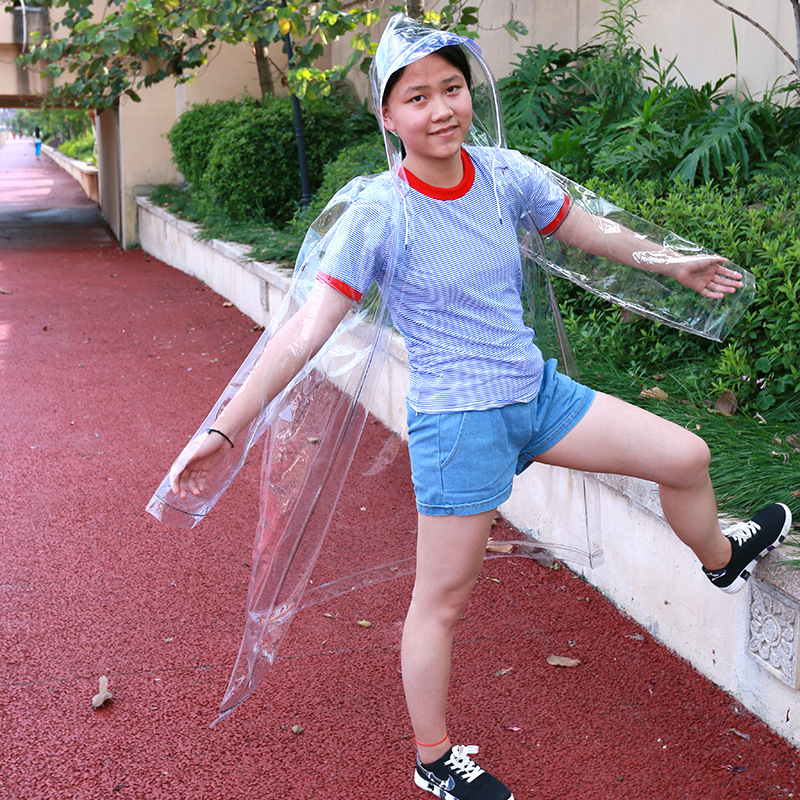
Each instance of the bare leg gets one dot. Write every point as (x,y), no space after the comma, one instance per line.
(619,438)
(450,552)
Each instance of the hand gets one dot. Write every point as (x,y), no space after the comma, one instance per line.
(196,462)
(707,275)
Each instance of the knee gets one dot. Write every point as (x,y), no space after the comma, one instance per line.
(690,467)
(442,605)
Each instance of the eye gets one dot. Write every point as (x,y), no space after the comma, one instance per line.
(416,99)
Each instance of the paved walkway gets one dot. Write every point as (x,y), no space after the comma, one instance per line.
(43,206)
(108,359)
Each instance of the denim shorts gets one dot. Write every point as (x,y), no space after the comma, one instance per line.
(464,462)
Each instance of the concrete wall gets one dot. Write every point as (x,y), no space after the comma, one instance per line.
(108,169)
(84,174)
(18,86)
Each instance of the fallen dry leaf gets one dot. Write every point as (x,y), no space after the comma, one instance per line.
(562,661)
(655,393)
(726,404)
(505,671)
(365,623)
(103,694)
(227,305)
(297,729)
(499,547)
(793,440)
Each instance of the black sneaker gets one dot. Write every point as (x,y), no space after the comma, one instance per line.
(455,776)
(751,541)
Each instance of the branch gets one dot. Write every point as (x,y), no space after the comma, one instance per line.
(763,30)
(796,7)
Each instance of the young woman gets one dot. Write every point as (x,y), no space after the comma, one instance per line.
(483,402)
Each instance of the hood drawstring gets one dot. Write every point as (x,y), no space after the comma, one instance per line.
(494,184)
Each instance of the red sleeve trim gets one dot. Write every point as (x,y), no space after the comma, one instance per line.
(340,286)
(560,217)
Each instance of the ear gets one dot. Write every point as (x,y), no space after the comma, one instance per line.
(387,119)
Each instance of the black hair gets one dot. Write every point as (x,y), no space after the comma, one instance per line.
(452,53)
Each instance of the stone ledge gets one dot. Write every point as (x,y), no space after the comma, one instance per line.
(85,174)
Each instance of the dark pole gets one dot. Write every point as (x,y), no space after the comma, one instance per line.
(299,131)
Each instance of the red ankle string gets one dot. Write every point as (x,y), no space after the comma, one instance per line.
(419,743)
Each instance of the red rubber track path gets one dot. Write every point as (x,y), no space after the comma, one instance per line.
(108,359)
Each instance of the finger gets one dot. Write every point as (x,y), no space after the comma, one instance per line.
(730,274)
(196,482)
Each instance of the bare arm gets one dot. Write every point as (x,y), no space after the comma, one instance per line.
(295,342)
(705,274)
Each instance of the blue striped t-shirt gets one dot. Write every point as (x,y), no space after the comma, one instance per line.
(456,297)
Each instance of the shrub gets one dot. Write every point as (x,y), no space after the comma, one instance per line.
(192,137)
(81,148)
(365,158)
(588,112)
(760,362)
(253,169)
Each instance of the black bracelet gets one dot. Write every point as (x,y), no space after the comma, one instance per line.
(224,436)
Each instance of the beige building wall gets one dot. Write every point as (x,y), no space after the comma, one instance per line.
(700,33)
(18,87)
(143,148)
(136,133)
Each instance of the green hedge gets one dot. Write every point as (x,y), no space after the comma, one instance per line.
(192,137)
(81,148)
(254,169)
(364,158)
(758,227)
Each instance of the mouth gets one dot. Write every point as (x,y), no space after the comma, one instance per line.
(444,132)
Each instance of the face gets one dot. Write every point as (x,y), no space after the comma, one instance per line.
(430,109)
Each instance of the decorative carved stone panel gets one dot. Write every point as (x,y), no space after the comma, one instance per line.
(774,635)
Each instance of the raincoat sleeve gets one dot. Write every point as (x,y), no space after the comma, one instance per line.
(342,225)
(312,428)
(642,289)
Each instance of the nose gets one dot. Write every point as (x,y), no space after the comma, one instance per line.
(441,109)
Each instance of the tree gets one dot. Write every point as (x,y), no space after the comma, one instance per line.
(137,44)
(795,62)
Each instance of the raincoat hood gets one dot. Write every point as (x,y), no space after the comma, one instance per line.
(405,41)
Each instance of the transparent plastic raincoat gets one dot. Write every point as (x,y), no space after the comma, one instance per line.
(313,425)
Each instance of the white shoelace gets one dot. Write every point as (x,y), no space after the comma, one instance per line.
(743,531)
(461,762)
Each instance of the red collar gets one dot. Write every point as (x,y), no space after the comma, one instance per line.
(447,193)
